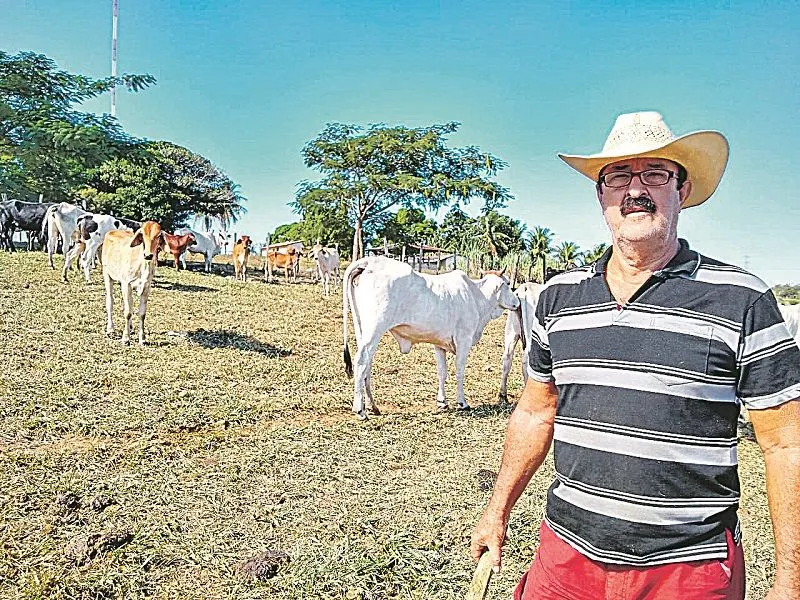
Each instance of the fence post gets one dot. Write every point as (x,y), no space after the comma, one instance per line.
(420,256)
(455,259)
(439,262)
(403,253)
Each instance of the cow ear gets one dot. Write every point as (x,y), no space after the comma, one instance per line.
(503,272)
(137,239)
(481,274)
(163,240)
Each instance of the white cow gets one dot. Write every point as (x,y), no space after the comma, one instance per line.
(791,314)
(91,232)
(60,219)
(519,326)
(208,244)
(449,311)
(327,265)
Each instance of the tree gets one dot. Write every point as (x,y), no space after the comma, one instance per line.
(593,255)
(287,233)
(46,146)
(500,234)
(407,226)
(567,255)
(324,218)
(539,247)
(166,183)
(371,171)
(457,230)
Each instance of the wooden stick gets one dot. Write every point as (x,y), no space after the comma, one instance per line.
(480,580)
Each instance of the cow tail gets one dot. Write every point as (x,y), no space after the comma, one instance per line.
(523,316)
(348,361)
(347,298)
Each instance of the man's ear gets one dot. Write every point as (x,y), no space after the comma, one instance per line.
(137,239)
(685,190)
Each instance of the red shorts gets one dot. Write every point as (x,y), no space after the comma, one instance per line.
(559,572)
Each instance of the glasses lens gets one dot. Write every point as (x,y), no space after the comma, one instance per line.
(655,177)
(617,180)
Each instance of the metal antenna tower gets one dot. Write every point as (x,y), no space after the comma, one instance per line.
(114,56)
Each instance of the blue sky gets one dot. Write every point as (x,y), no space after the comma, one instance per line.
(248,83)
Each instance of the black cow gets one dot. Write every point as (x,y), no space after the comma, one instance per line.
(23,216)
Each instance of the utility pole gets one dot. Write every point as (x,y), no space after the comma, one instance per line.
(115,4)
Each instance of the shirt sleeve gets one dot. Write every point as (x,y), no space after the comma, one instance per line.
(768,357)
(540,362)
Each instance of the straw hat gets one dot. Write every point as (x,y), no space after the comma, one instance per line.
(703,154)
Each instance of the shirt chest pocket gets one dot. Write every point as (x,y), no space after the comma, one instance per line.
(684,348)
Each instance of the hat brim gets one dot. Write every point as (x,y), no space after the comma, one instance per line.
(704,155)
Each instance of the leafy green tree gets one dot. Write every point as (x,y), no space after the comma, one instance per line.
(567,255)
(595,253)
(287,232)
(324,218)
(46,145)
(457,230)
(166,183)
(371,171)
(500,234)
(540,240)
(407,226)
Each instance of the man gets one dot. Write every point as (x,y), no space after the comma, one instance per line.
(637,369)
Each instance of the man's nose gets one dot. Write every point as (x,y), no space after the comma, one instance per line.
(636,188)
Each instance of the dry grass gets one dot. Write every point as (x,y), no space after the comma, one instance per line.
(158,472)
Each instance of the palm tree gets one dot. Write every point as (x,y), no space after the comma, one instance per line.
(567,255)
(494,241)
(539,246)
(593,255)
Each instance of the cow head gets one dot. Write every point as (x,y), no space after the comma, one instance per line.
(245,241)
(151,238)
(496,289)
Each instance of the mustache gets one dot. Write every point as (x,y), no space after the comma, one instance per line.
(630,204)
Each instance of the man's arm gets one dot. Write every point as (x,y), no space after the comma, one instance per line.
(778,433)
(528,438)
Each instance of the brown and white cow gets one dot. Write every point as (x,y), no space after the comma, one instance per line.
(131,258)
(241,253)
(177,245)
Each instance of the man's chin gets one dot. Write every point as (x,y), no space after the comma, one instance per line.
(639,231)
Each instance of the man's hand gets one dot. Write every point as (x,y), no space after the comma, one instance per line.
(488,536)
(780,593)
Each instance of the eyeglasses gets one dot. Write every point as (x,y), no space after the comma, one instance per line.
(650,177)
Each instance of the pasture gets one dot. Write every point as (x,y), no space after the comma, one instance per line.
(157,472)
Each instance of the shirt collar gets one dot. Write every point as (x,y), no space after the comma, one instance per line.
(685,262)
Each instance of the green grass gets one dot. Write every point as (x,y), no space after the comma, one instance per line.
(231,435)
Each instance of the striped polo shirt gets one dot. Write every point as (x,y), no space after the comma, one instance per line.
(648,399)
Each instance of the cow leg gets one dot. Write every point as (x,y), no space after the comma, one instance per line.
(508,356)
(68,258)
(109,304)
(373,408)
(52,241)
(441,369)
(362,371)
(145,294)
(89,259)
(127,310)
(462,353)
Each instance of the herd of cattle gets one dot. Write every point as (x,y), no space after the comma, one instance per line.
(449,311)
